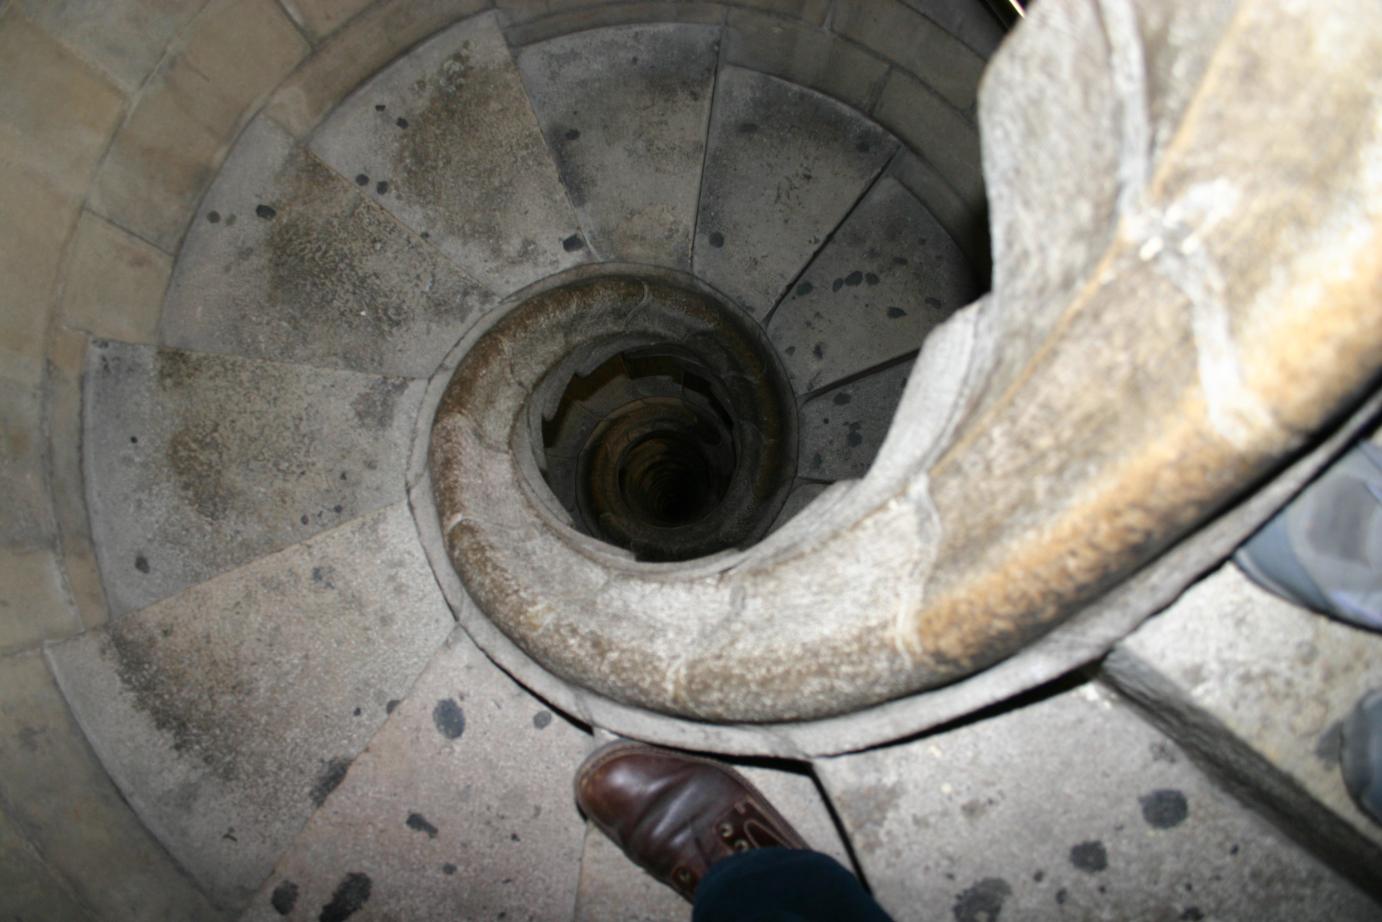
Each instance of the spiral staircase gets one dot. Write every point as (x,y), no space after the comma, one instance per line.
(403,398)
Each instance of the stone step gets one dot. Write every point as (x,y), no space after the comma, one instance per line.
(289,260)
(198,463)
(449,130)
(1071,806)
(227,713)
(880,284)
(783,168)
(1258,688)
(843,428)
(625,111)
(461,808)
(70,847)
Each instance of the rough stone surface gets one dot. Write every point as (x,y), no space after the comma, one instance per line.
(57,791)
(916,43)
(873,293)
(30,891)
(842,428)
(197,463)
(228,713)
(783,167)
(625,112)
(1069,807)
(812,57)
(33,605)
(471,169)
(287,260)
(114,283)
(1260,688)
(166,151)
(461,808)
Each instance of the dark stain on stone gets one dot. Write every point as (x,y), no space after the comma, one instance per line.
(804,289)
(374,406)
(350,897)
(837,284)
(361,179)
(748,128)
(401,122)
(871,278)
(379,107)
(284,897)
(448,869)
(1162,751)
(573,243)
(790,350)
(214,217)
(854,439)
(542,719)
(862,147)
(895,313)
(572,134)
(841,398)
(266,212)
(1328,743)
(449,718)
(1164,809)
(1039,876)
(391,705)
(934,302)
(418,822)
(1089,856)
(982,902)
(818,350)
(324,576)
(817,461)
(382,187)
(304,519)
(717,239)
(854,278)
(141,563)
(1192,914)
(330,778)
(1061,896)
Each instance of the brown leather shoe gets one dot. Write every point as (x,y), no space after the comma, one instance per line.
(675,815)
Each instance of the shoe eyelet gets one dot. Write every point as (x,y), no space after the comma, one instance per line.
(726,830)
(741,845)
(683,876)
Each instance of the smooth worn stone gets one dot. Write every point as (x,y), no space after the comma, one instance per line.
(198,463)
(28,518)
(812,57)
(38,222)
(1260,687)
(331,279)
(625,112)
(30,890)
(61,795)
(125,39)
(1040,812)
(884,280)
(472,169)
(842,428)
(322,17)
(934,131)
(167,150)
(33,605)
(461,807)
(562,20)
(916,43)
(783,168)
(965,221)
(228,713)
(114,283)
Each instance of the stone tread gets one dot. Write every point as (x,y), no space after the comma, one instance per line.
(288,260)
(198,463)
(461,808)
(843,428)
(783,168)
(227,713)
(625,112)
(1069,807)
(471,169)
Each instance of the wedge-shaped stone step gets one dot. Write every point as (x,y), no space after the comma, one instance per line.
(461,808)
(197,463)
(61,810)
(1260,687)
(288,260)
(1072,807)
(226,714)
(783,168)
(625,111)
(882,282)
(448,141)
(843,428)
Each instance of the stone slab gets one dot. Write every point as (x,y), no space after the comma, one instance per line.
(471,169)
(884,280)
(1069,807)
(1259,687)
(812,57)
(114,283)
(28,518)
(783,168)
(520,31)
(842,428)
(461,808)
(965,222)
(198,463)
(935,131)
(228,713)
(61,796)
(33,603)
(322,17)
(30,891)
(917,43)
(801,496)
(625,112)
(288,260)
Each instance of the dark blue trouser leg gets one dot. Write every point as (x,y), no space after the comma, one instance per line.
(783,885)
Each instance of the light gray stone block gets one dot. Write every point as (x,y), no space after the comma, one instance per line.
(288,260)
(1070,807)
(228,713)
(842,428)
(873,293)
(783,168)
(1259,687)
(198,463)
(471,169)
(461,808)
(625,112)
